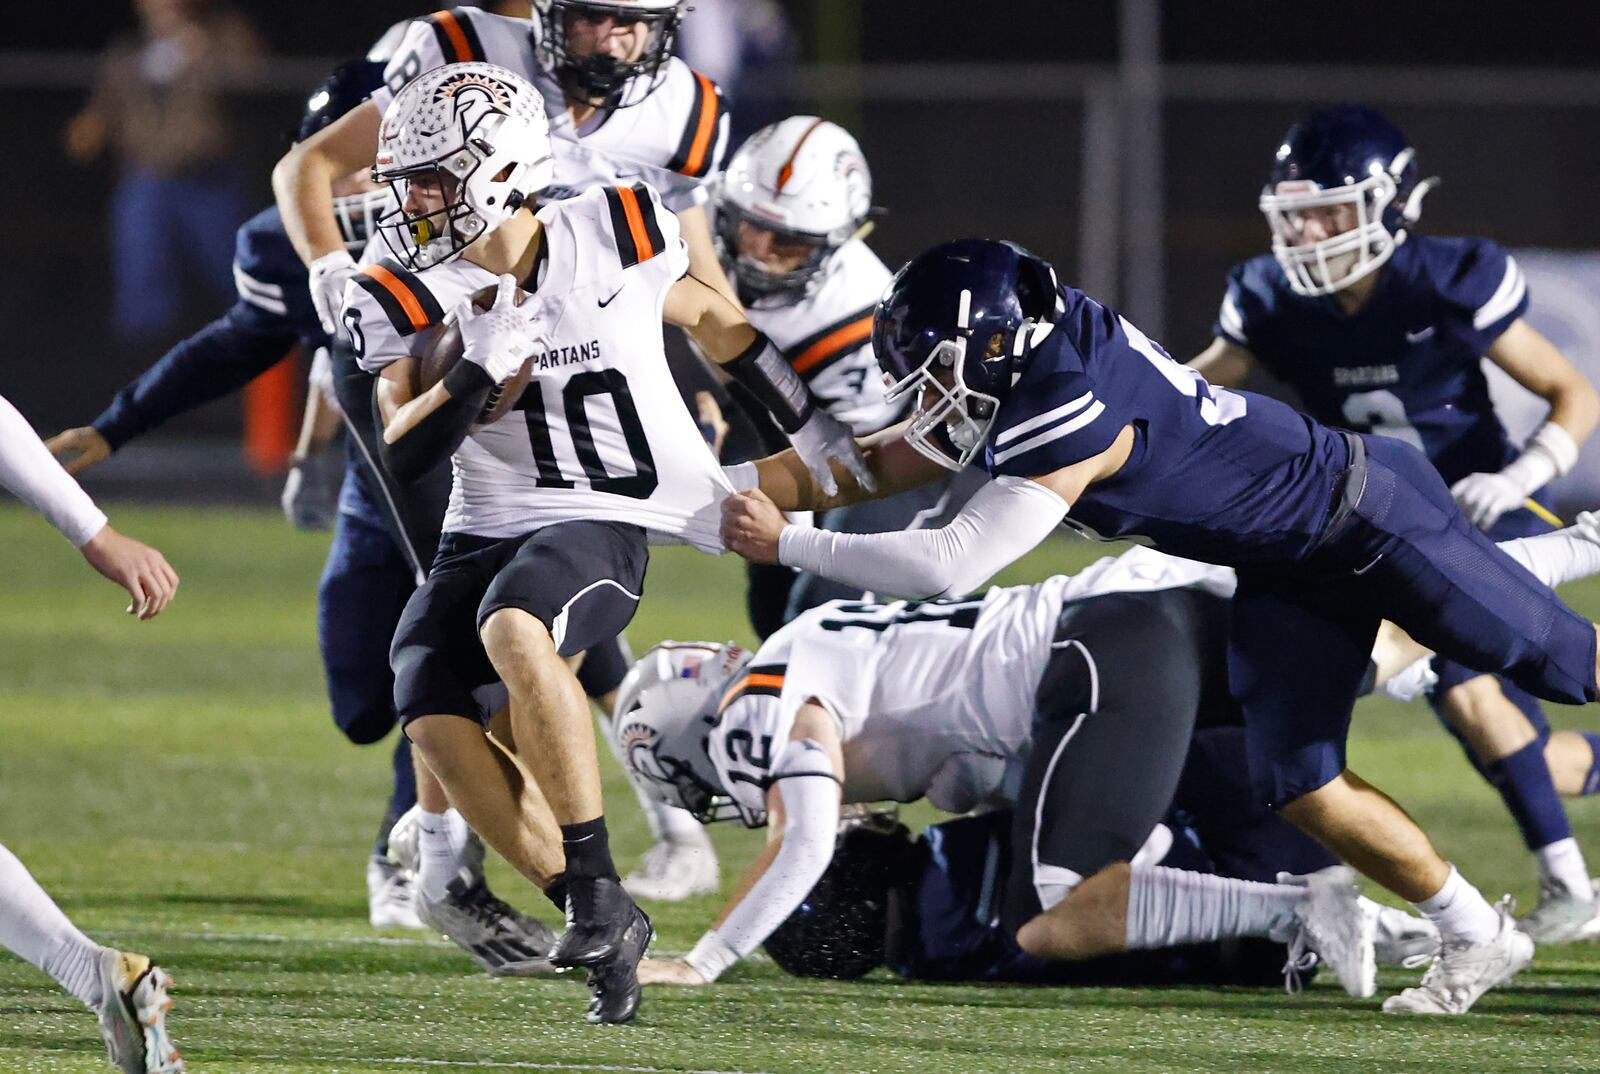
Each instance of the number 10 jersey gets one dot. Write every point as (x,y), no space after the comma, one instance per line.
(600,432)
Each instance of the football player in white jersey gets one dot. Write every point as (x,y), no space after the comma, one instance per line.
(621,108)
(1071,701)
(126,991)
(544,548)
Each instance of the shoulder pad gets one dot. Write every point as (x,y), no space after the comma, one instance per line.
(640,227)
(704,132)
(403,297)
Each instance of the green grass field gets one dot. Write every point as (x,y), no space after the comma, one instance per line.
(181,790)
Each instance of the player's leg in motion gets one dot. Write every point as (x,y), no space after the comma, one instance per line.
(127,992)
(571,586)
(1116,712)
(364,588)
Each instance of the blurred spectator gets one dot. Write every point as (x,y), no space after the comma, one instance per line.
(737,43)
(158,106)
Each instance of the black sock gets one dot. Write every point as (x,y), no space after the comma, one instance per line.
(588,849)
(557,893)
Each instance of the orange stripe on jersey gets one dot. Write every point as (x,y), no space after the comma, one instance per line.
(788,166)
(771,682)
(851,336)
(641,237)
(446,21)
(402,294)
(706,129)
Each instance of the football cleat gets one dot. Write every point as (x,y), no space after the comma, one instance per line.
(1465,970)
(599,916)
(391,895)
(501,939)
(1337,926)
(133,1015)
(614,983)
(675,869)
(1401,938)
(405,848)
(1560,916)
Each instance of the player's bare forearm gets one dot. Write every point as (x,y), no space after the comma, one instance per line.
(1539,366)
(302,181)
(895,465)
(1224,364)
(715,323)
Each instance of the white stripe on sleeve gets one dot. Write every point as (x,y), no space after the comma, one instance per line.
(1505,298)
(1051,434)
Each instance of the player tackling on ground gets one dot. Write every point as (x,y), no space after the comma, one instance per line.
(126,991)
(554,500)
(1071,407)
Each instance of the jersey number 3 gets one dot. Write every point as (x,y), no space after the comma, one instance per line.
(575,395)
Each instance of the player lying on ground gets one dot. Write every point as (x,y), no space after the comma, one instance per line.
(1382,329)
(1072,702)
(583,450)
(1070,406)
(126,991)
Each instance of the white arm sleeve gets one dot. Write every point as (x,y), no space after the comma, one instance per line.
(1560,557)
(1007,518)
(810,792)
(29,472)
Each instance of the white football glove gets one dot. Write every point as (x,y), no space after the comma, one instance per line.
(500,338)
(329,274)
(1485,497)
(824,437)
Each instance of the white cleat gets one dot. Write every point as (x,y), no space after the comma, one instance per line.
(1560,916)
(1338,926)
(133,1015)
(1401,938)
(675,869)
(500,938)
(391,896)
(1464,970)
(403,840)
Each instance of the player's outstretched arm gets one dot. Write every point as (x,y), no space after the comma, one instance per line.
(894,464)
(803,812)
(302,183)
(28,471)
(722,332)
(1535,363)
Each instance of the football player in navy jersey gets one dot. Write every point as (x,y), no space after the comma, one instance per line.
(1381,330)
(1071,408)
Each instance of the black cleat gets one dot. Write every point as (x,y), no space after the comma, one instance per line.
(614,983)
(599,912)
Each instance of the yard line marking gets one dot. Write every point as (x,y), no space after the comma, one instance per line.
(492,1064)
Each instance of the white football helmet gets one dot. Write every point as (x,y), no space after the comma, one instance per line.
(599,78)
(666,708)
(803,179)
(476,132)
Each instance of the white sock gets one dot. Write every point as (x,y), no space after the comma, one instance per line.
(1554,558)
(32,925)
(1460,912)
(441,844)
(679,826)
(1174,906)
(1563,863)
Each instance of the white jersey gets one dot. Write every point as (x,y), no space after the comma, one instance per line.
(600,432)
(933,700)
(827,337)
(674,139)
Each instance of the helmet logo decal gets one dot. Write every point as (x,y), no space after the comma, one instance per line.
(995,350)
(468,83)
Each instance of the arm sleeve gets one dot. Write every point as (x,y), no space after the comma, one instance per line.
(1230,323)
(810,792)
(31,473)
(1007,518)
(220,359)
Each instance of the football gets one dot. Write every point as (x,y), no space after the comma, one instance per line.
(446,351)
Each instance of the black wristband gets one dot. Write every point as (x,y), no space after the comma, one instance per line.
(763,370)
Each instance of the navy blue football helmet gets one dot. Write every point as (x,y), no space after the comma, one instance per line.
(351,83)
(953,330)
(1343,190)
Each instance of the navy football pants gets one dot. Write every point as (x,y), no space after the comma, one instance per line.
(1302,633)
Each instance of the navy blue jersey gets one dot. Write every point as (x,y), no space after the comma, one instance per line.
(273,313)
(1406,364)
(1222,476)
